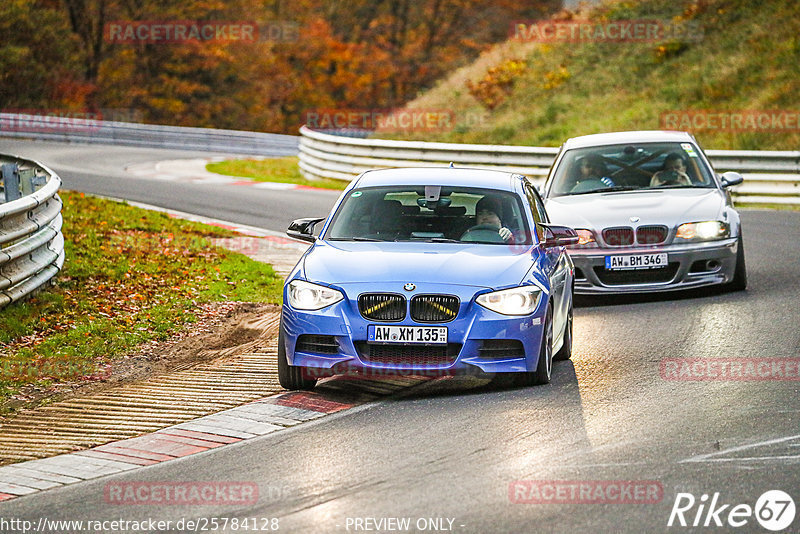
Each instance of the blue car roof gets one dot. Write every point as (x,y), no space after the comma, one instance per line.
(446,176)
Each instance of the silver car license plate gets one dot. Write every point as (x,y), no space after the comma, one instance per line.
(636,261)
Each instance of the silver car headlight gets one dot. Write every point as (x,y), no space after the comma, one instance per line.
(515,301)
(307,296)
(703,231)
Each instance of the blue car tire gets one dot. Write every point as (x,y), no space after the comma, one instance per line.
(544,366)
(565,352)
(290,376)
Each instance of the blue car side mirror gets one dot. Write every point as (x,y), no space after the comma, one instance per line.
(303,229)
(558,236)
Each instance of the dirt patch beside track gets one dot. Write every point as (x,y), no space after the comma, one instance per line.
(222,329)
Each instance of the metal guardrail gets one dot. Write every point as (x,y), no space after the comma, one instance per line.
(770,176)
(81,130)
(31,242)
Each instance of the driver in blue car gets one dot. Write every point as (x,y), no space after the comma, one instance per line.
(488,213)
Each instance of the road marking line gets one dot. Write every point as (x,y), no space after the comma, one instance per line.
(705,457)
(752,458)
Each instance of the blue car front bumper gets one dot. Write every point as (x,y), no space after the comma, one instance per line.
(334,340)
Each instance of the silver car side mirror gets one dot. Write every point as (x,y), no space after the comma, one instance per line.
(731,178)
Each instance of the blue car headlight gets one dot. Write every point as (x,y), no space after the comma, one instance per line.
(515,301)
(307,296)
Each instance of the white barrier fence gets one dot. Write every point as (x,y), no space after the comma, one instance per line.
(83,130)
(770,177)
(31,242)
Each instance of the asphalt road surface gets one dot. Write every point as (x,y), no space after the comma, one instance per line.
(100,170)
(464,455)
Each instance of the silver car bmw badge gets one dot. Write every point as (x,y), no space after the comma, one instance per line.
(635,219)
(409,287)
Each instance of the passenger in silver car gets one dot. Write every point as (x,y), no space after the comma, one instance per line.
(673,172)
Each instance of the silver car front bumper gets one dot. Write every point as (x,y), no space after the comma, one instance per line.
(689,265)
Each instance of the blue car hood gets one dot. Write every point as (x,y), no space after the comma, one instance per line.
(478,265)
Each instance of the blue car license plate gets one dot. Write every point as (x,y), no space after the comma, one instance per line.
(424,335)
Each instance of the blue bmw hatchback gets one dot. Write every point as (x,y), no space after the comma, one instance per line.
(429,271)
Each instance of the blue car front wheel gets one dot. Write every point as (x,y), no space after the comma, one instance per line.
(565,353)
(291,376)
(544,367)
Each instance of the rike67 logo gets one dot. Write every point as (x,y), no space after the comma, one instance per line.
(774,510)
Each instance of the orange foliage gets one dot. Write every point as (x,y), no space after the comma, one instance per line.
(374,54)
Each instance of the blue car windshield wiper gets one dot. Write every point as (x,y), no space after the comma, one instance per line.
(355,238)
(428,240)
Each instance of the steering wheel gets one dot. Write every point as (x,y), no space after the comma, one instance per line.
(668,178)
(588,185)
(484,233)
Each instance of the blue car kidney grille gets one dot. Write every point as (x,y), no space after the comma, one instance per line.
(434,308)
(382,306)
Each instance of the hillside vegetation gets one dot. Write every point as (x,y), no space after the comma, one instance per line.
(524,93)
(242,64)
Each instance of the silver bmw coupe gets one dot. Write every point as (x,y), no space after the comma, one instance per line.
(651,213)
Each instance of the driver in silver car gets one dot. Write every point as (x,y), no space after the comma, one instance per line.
(592,174)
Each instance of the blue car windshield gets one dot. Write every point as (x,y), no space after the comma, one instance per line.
(440,214)
(629,167)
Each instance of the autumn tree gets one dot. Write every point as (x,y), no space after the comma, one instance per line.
(344,54)
(38,59)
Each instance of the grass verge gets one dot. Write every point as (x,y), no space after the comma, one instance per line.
(738,56)
(131,276)
(283,170)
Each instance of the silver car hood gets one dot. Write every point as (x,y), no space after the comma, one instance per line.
(669,207)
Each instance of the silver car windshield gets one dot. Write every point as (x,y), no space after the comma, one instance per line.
(444,214)
(630,167)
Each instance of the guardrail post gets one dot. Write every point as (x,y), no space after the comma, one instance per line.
(26,181)
(10,173)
